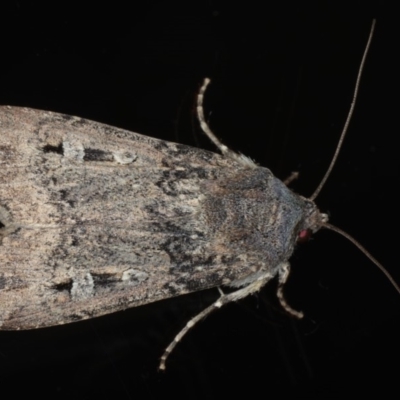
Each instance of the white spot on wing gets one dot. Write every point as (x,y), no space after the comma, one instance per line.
(134,276)
(73,150)
(124,157)
(82,287)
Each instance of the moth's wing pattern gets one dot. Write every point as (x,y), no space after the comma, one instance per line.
(96,219)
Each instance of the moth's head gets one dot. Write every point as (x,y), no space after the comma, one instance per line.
(313,221)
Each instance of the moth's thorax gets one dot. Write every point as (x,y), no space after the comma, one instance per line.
(255,214)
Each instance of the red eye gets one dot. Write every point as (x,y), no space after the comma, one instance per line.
(304,236)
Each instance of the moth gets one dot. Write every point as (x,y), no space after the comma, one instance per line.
(95,219)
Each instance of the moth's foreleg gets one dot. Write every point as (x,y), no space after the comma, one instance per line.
(227,152)
(284,270)
(251,288)
(292,177)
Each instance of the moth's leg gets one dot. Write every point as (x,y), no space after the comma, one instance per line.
(292,177)
(240,158)
(284,270)
(224,299)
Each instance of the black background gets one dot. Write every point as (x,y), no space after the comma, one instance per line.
(282,81)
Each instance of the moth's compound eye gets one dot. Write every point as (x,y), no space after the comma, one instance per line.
(304,236)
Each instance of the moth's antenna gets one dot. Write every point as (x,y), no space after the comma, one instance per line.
(357,244)
(346,125)
(335,156)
